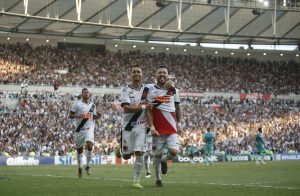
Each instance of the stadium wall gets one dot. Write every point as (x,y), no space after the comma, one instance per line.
(112,159)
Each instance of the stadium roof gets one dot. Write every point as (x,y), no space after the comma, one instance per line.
(193,21)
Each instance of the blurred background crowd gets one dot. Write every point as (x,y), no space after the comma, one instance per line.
(38,121)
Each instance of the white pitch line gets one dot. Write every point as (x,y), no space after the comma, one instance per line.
(170,182)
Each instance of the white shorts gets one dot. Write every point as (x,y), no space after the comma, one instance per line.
(83,136)
(165,141)
(148,143)
(134,140)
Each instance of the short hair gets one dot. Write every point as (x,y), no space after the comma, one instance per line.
(84,90)
(208,129)
(260,129)
(134,66)
(162,67)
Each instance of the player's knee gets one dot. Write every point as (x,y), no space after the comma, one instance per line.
(126,156)
(89,146)
(173,152)
(146,155)
(80,150)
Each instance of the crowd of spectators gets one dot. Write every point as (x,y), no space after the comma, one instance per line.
(39,121)
(40,124)
(20,63)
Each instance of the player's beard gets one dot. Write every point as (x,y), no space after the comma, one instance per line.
(137,78)
(161,80)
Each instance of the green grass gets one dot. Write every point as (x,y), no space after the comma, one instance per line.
(275,178)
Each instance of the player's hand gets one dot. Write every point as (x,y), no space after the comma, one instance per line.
(99,114)
(179,129)
(169,85)
(149,106)
(98,122)
(154,132)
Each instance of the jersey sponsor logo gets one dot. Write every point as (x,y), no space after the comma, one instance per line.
(163,99)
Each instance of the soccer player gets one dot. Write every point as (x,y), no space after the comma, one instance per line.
(133,102)
(260,149)
(147,155)
(85,112)
(209,138)
(163,121)
(191,150)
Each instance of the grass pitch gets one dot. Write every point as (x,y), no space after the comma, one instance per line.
(275,178)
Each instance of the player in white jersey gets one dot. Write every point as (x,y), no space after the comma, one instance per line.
(85,113)
(164,122)
(133,101)
(147,154)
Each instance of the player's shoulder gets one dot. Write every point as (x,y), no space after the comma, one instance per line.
(78,102)
(126,88)
(149,86)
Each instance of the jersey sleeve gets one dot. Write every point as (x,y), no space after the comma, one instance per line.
(176,97)
(150,95)
(74,108)
(124,97)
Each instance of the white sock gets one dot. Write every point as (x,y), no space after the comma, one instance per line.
(157,167)
(79,160)
(211,159)
(166,158)
(89,155)
(147,162)
(138,167)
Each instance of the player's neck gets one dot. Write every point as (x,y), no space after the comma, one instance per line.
(162,86)
(136,85)
(86,101)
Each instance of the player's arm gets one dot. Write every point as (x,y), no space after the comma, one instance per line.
(136,107)
(73,115)
(97,115)
(178,117)
(262,140)
(133,107)
(149,118)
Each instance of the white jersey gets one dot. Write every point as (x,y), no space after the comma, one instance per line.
(132,96)
(155,91)
(80,108)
